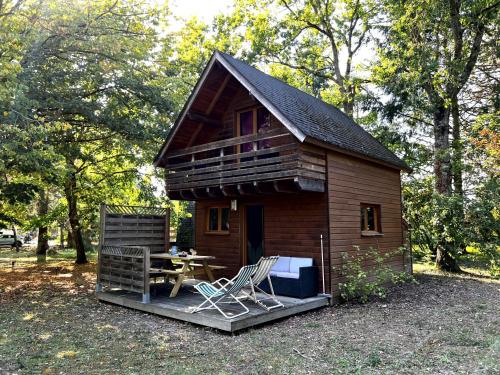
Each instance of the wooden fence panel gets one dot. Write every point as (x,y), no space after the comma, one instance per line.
(135,226)
(125,268)
(127,237)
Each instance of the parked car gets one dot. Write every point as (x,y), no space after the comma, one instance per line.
(7,238)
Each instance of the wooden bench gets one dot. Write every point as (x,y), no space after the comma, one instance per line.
(159,272)
(162,271)
(212,267)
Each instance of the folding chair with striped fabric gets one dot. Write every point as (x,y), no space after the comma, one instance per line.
(226,290)
(262,272)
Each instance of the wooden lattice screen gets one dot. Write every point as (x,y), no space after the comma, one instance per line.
(135,226)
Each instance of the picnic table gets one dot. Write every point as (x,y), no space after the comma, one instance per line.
(192,265)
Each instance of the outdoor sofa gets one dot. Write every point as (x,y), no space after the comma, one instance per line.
(293,277)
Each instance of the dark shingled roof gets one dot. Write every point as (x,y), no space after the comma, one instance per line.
(313,117)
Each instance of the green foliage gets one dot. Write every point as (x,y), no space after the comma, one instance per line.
(88,110)
(416,64)
(366,273)
(483,138)
(314,45)
(483,218)
(434,60)
(433,217)
(374,359)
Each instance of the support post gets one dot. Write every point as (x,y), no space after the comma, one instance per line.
(102,228)
(322,264)
(166,246)
(146,297)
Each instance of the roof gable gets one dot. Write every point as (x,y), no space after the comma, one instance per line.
(305,116)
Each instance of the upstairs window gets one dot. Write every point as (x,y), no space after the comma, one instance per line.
(370,219)
(252,121)
(218,220)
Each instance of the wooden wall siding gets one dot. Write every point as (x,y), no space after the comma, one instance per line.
(225,247)
(293,224)
(353,181)
(135,226)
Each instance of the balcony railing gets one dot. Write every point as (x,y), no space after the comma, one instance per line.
(271,156)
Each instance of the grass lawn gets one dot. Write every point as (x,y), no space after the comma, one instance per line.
(51,323)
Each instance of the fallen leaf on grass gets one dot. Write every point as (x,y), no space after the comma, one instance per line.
(66,354)
(28,316)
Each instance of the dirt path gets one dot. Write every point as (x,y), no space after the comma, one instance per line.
(51,323)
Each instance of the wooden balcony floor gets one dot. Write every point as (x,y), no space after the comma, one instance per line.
(179,307)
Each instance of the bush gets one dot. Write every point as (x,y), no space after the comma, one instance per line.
(362,281)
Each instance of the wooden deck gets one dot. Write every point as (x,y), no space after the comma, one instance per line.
(179,307)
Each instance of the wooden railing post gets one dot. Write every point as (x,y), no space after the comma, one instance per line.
(192,166)
(221,154)
(146,296)
(166,246)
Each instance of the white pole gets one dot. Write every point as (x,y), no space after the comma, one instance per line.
(322,264)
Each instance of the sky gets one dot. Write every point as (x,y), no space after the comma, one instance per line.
(203,9)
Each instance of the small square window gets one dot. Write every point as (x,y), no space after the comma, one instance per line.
(213,219)
(370,219)
(224,219)
(218,220)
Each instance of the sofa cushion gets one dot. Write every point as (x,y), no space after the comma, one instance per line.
(286,275)
(282,265)
(296,263)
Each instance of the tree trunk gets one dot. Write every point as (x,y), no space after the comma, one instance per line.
(16,242)
(457,149)
(457,166)
(61,235)
(442,160)
(442,173)
(43,232)
(74,219)
(348,106)
(444,260)
(69,242)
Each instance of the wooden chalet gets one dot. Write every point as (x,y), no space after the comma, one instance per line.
(272,169)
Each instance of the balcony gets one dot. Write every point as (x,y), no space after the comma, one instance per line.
(253,164)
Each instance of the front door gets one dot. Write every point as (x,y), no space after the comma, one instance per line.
(254,233)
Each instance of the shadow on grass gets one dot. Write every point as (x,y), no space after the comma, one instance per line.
(27,254)
(471,265)
(55,277)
